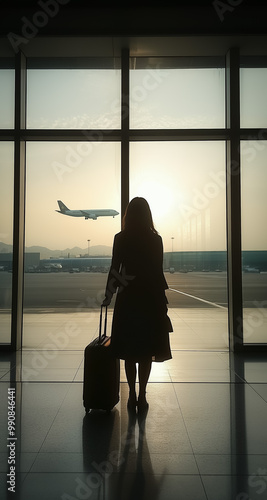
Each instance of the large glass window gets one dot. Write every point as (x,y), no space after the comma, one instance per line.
(7,100)
(68,253)
(254,240)
(163,96)
(253,106)
(73,99)
(184,183)
(6,238)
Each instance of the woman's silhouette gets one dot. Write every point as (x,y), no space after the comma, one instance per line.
(140,326)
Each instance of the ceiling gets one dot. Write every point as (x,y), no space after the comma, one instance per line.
(76,28)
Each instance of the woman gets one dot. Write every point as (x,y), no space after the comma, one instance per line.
(140,326)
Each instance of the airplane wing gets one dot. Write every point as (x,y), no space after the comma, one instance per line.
(89,215)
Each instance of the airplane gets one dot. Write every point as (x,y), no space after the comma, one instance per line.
(87,214)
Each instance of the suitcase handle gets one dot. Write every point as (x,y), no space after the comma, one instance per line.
(105,323)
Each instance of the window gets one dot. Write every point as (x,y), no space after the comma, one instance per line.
(184,184)
(6,238)
(253,106)
(177,159)
(73,99)
(254,240)
(163,96)
(60,276)
(7,93)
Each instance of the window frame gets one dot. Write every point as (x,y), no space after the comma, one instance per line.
(232,134)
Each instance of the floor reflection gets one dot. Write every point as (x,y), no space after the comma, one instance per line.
(117,461)
(204,437)
(101,441)
(136,477)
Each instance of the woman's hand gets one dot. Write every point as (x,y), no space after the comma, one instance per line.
(106,301)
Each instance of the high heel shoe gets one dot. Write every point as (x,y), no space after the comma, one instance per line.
(142,405)
(132,403)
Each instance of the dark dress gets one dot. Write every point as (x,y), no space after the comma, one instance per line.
(140,326)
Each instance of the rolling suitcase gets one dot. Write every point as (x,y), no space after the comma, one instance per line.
(101,382)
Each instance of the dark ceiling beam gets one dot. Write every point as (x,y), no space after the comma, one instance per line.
(73,18)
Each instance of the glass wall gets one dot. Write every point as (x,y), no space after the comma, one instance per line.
(73,99)
(68,243)
(7,106)
(6,238)
(184,183)
(254,240)
(253,82)
(253,106)
(165,96)
(7,98)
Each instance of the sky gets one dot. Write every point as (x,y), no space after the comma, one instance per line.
(184,182)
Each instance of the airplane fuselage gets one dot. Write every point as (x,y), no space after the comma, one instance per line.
(90,214)
(87,214)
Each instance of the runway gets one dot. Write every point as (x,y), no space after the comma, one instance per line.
(77,291)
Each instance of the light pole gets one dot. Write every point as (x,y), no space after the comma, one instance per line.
(88,241)
(172,265)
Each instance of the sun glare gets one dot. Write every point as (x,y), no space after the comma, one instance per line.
(159,197)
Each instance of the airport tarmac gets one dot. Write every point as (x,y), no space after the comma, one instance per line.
(197,308)
(76,291)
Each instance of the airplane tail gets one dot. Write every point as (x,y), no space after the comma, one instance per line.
(62,207)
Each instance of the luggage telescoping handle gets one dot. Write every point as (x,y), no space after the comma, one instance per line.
(105,323)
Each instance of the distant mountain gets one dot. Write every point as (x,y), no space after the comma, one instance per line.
(4,248)
(46,253)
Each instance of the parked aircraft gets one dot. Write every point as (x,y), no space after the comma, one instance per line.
(87,214)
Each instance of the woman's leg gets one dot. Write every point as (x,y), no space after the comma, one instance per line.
(130,370)
(144,369)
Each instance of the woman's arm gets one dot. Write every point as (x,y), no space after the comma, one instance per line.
(112,280)
(160,264)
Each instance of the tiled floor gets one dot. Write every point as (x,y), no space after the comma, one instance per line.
(204,436)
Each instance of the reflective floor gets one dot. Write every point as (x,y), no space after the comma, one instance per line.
(204,436)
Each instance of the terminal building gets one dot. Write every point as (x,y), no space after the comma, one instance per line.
(176,261)
(31,261)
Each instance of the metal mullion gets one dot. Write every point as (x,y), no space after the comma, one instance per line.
(233,201)
(125,149)
(179,135)
(7,135)
(253,134)
(19,203)
(71,135)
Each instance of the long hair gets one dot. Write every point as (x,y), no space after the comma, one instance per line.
(138,216)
